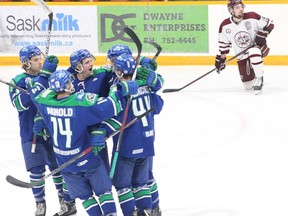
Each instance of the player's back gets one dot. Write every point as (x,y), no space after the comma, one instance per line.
(68,118)
(138,139)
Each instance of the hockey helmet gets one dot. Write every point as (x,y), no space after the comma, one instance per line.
(118,50)
(124,64)
(78,56)
(26,53)
(59,79)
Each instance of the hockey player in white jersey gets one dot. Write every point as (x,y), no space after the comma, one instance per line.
(239,32)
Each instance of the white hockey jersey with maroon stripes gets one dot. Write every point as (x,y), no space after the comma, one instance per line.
(241,35)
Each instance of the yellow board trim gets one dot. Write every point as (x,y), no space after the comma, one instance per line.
(145,3)
(162,60)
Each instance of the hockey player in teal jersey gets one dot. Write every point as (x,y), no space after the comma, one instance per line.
(67,205)
(93,80)
(131,172)
(67,117)
(31,59)
(88,78)
(155,81)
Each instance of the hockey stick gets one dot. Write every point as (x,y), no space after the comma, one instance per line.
(138,44)
(157,46)
(14,86)
(23,184)
(44,6)
(179,89)
(136,40)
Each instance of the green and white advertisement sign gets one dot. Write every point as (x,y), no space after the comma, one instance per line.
(178,29)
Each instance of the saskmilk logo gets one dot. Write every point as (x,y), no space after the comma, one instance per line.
(61,22)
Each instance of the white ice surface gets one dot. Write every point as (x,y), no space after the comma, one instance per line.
(220,150)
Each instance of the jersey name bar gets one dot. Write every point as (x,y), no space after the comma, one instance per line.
(62,112)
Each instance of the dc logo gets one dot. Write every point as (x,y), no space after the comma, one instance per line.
(112,27)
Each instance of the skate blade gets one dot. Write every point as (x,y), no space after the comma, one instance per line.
(257,92)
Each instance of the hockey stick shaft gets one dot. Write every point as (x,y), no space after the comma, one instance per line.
(49,34)
(179,89)
(138,43)
(136,40)
(23,184)
(157,46)
(48,10)
(14,86)
(33,145)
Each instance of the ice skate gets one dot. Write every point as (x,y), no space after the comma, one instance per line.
(61,202)
(135,213)
(40,209)
(258,85)
(156,211)
(147,212)
(67,209)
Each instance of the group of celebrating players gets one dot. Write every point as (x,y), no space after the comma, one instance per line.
(70,110)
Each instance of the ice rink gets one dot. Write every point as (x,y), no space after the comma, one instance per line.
(220,150)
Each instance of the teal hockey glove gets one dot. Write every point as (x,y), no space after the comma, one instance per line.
(39,127)
(49,66)
(127,87)
(148,63)
(98,140)
(147,75)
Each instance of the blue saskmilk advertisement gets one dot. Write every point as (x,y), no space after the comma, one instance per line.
(73,28)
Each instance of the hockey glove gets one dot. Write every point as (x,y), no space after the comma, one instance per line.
(219,63)
(34,88)
(39,127)
(148,63)
(260,39)
(49,66)
(148,76)
(127,87)
(98,140)
(29,84)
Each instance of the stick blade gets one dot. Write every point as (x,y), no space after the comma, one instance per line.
(43,5)
(138,43)
(170,90)
(17,182)
(157,46)
(134,37)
